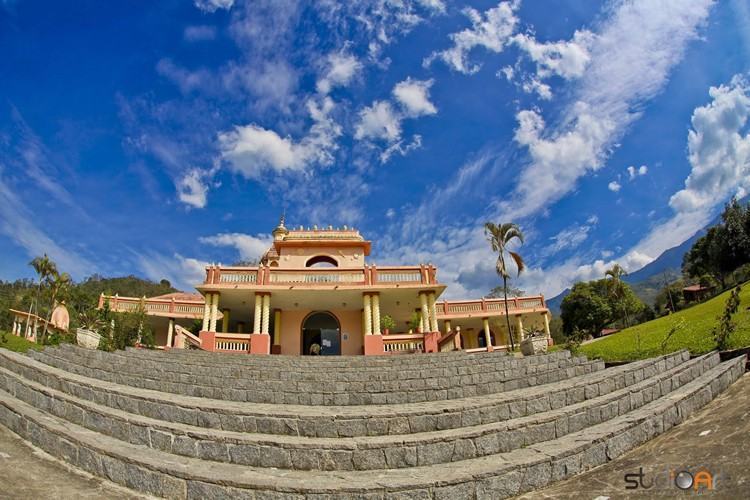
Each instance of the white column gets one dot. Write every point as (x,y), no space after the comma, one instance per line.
(258,318)
(225,320)
(486,325)
(266,313)
(367,299)
(207,312)
(425,312)
(376,314)
(214,313)
(433,313)
(14,325)
(546,325)
(170,332)
(447,326)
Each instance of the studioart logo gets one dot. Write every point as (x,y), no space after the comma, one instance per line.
(697,480)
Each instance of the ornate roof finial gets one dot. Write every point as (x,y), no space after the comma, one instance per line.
(280,230)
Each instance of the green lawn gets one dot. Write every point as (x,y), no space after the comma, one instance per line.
(18,344)
(696,336)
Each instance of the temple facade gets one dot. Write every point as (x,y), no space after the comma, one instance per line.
(314,292)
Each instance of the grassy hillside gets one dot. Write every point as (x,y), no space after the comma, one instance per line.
(18,344)
(695,336)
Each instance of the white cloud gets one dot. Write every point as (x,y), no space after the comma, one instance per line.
(186,80)
(630,60)
(192,188)
(379,121)
(390,213)
(414,96)
(718,149)
(614,186)
(435,5)
(400,148)
(635,172)
(213,5)
(340,69)
(567,239)
(567,59)
(490,30)
(247,246)
(252,149)
(200,33)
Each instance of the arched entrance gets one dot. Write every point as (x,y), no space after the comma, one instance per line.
(321,328)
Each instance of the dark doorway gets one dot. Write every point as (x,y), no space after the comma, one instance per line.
(321,329)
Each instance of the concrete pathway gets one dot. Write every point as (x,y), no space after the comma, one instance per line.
(26,472)
(717,438)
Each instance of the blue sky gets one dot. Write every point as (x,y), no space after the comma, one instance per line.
(154,137)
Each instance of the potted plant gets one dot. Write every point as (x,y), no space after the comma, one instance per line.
(534,343)
(386,323)
(414,323)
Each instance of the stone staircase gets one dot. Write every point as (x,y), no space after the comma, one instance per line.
(452,425)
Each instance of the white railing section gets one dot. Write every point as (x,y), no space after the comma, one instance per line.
(238,277)
(232,345)
(399,276)
(316,278)
(403,343)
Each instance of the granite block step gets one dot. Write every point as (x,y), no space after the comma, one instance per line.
(495,476)
(339,421)
(359,453)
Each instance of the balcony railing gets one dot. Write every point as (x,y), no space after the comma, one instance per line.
(403,343)
(365,276)
(159,307)
(232,342)
(491,306)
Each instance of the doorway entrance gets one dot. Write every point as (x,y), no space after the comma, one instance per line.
(321,333)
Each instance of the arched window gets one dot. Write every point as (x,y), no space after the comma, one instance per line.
(322,261)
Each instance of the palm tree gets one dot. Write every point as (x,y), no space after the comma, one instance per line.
(499,237)
(44,268)
(617,287)
(59,284)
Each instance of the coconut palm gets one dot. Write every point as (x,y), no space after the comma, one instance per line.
(500,236)
(44,268)
(616,287)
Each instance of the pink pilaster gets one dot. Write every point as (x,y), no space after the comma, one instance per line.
(260,343)
(374,345)
(208,341)
(431,340)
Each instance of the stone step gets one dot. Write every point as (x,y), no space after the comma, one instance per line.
(263,366)
(339,421)
(260,390)
(362,453)
(339,362)
(494,476)
(315,393)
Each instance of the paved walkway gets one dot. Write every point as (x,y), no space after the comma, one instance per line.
(717,437)
(26,472)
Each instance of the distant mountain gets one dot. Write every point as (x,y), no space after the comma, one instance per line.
(554,303)
(648,280)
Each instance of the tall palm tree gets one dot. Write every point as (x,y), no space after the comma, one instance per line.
(44,268)
(617,287)
(500,236)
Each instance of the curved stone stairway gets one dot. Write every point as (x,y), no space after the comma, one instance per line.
(450,425)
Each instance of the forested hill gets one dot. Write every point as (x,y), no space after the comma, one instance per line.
(80,297)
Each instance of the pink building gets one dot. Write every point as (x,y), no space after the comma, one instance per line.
(315,292)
